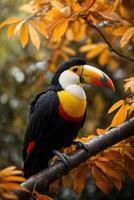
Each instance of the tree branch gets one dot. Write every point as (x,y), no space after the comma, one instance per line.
(107,42)
(41,180)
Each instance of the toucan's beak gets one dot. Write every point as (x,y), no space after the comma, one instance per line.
(92,75)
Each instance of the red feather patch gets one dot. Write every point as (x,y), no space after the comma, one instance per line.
(30,147)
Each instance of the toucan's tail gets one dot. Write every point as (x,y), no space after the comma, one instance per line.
(33,166)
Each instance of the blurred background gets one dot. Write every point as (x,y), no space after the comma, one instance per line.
(23,74)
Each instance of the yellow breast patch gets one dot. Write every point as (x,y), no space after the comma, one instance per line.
(73,106)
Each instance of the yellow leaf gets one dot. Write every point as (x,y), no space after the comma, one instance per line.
(16,172)
(11,30)
(54,12)
(101,131)
(88,47)
(79,29)
(10,20)
(115,106)
(126,37)
(24,35)
(34,36)
(57,4)
(7,170)
(104,57)
(60,29)
(69,51)
(120,116)
(96,51)
(74,5)
(40,26)
(14,28)
(14,178)
(120,30)
(129,84)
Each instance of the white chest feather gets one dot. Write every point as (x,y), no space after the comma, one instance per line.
(76,91)
(70,83)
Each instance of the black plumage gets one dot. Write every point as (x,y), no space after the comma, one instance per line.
(46,128)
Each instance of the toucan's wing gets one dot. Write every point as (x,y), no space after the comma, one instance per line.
(40,118)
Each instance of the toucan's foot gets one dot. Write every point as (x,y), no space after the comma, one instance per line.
(64,158)
(81,145)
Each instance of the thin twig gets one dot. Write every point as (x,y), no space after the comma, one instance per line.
(107,42)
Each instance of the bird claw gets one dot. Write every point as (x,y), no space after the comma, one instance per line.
(81,145)
(64,158)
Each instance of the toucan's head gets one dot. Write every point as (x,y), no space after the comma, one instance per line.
(76,71)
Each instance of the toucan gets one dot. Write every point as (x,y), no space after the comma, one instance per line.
(57,114)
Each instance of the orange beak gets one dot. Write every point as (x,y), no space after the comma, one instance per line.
(94,76)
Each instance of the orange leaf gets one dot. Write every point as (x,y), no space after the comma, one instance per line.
(113,155)
(54,12)
(108,169)
(126,37)
(87,3)
(12,186)
(120,30)
(94,53)
(105,12)
(101,180)
(74,5)
(117,184)
(88,47)
(9,196)
(120,116)
(40,26)
(10,20)
(60,29)
(11,30)
(67,181)
(115,106)
(14,28)
(69,51)
(79,29)
(8,171)
(39,196)
(129,166)
(34,36)
(79,177)
(101,131)
(14,178)
(24,35)
(103,58)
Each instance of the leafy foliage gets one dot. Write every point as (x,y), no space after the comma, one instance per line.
(10,178)
(62,29)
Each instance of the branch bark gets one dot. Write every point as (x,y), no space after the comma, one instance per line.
(107,42)
(54,172)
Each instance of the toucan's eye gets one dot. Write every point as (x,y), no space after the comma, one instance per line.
(75,69)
